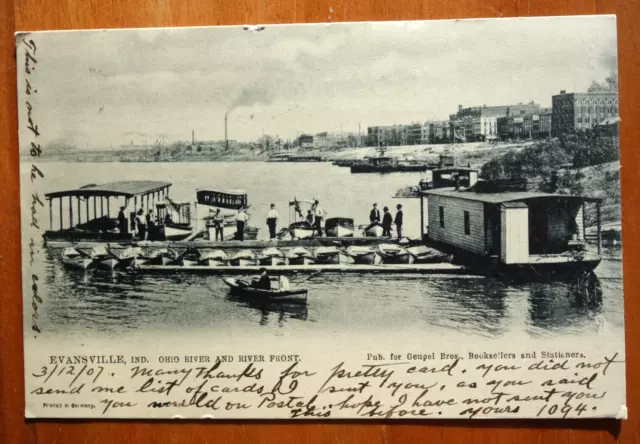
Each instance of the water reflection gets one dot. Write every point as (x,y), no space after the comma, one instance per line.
(565,305)
(281,311)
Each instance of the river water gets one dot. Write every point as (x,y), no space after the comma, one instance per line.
(117,306)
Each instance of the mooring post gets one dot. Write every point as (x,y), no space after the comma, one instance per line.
(599,227)
(421,216)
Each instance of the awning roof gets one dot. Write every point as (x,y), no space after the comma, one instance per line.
(127,188)
(237,192)
(507,196)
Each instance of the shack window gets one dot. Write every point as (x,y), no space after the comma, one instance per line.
(467,223)
(441,217)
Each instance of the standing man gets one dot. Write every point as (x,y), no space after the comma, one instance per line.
(241,220)
(398,221)
(151,226)
(319,215)
(374,215)
(218,224)
(123,224)
(140,225)
(386,222)
(272,220)
(309,218)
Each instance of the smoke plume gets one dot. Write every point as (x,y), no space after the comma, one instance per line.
(249,96)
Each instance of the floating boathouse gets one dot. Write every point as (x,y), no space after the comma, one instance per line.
(512,228)
(95,202)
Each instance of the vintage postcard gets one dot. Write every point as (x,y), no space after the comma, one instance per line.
(356,220)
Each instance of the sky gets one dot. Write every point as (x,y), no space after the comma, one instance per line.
(98,89)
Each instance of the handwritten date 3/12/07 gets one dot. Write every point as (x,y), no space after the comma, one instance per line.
(542,388)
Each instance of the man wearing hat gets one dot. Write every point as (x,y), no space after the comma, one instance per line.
(272,221)
(386,222)
(398,221)
(241,219)
(264,282)
(123,225)
(151,225)
(374,215)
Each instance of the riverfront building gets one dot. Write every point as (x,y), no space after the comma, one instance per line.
(579,111)
(480,123)
(527,126)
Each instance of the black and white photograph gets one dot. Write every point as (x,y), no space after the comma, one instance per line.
(314,194)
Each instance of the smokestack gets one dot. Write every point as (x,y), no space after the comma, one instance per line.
(193,137)
(226,140)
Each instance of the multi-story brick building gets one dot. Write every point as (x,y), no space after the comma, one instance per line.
(579,111)
(390,135)
(436,132)
(481,122)
(525,126)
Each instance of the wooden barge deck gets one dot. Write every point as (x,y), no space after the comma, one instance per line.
(233,244)
(435,268)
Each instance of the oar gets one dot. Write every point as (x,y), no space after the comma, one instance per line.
(314,274)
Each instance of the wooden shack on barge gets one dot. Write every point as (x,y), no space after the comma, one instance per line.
(514,229)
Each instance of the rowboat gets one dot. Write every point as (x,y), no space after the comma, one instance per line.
(77,259)
(244,258)
(272,256)
(301,230)
(374,230)
(172,233)
(215,258)
(131,257)
(300,256)
(242,289)
(331,255)
(363,255)
(103,259)
(423,254)
(162,256)
(339,227)
(393,254)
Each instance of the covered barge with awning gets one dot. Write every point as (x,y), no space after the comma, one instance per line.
(87,213)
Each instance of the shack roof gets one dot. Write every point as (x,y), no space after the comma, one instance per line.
(454,169)
(127,188)
(506,196)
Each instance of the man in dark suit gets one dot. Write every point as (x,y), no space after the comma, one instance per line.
(264,282)
(374,215)
(386,222)
(398,221)
(123,224)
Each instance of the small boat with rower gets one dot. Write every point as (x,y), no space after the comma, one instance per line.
(242,288)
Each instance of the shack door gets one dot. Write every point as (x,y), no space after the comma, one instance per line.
(514,233)
(538,229)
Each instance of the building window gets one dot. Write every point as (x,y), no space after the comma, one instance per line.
(467,223)
(441,217)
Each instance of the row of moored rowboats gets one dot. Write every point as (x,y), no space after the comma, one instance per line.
(134,257)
